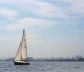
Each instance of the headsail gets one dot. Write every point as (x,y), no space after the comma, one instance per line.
(24,46)
(19,54)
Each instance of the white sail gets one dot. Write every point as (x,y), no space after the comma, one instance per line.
(24,46)
(19,54)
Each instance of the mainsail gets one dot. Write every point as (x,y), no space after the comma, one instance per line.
(24,46)
(22,51)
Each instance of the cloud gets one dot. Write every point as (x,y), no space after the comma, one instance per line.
(29,23)
(45,9)
(8,13)
(78,31)
(38,7)
(77,7)
(10,1)
(67,1)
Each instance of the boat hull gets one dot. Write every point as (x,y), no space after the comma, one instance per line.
(21,63)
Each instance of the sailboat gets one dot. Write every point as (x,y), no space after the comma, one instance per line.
(21,56)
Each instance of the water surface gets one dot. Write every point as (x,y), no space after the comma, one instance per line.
(8,66)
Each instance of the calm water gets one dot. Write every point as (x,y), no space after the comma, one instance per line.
(8,66)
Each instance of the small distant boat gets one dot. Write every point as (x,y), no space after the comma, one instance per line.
(21,56)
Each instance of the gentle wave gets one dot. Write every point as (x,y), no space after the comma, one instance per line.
(8,66)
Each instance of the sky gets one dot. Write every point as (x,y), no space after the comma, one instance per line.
(54,28)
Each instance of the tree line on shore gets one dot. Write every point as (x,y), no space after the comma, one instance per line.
(76,58)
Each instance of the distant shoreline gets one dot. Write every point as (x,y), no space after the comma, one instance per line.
(44,61)
(61,59)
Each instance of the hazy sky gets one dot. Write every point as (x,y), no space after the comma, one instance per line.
(54,28)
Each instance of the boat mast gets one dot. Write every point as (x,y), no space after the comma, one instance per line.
(24,46)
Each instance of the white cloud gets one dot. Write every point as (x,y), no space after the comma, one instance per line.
(38,7)
(8,1)
(77,7)
(46,10)
(29,23)
(8,13)
(68,1)
(78,31)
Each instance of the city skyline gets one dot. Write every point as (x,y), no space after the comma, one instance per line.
(53,28)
